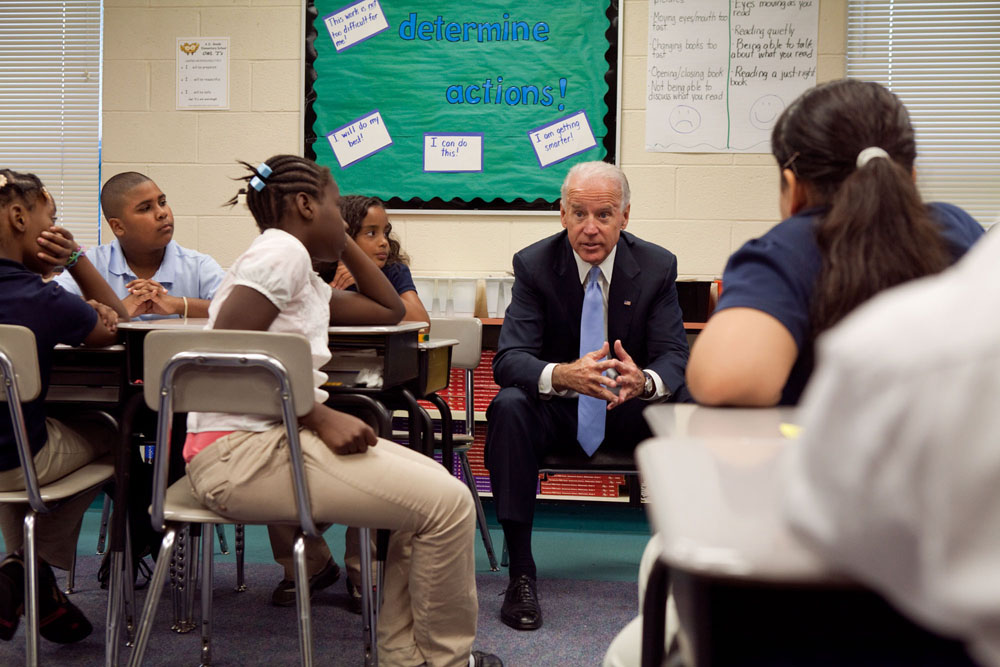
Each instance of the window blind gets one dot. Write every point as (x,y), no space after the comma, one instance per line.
(943,60)
(50,103)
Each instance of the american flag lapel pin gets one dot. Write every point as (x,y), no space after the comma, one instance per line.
(628,303)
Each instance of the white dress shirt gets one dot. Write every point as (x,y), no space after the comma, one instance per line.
(896,480)
(607,267)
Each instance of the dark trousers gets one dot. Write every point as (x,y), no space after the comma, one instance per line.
(522,429)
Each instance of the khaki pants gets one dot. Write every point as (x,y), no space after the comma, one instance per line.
(430,605)
(67,450)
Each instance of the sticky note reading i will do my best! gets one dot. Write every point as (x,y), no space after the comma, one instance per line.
(562,139)
(359,139)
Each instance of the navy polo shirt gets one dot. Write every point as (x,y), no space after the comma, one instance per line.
(777,273)
(55,316)
(399,275)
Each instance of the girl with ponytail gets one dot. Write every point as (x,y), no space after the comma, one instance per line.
(854,225)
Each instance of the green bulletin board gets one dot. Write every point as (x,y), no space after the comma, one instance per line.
(470,104)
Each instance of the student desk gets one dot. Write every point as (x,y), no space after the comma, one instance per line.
(747,590)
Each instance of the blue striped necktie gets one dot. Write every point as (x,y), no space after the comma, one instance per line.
(591,412)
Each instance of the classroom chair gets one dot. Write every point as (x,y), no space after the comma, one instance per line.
(22,384)
(468,331)
(271,374)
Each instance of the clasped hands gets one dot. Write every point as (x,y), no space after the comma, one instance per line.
(585,376)
(146,296)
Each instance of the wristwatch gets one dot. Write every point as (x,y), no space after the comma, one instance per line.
(649,388)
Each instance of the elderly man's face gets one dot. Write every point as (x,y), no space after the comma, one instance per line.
(593,217)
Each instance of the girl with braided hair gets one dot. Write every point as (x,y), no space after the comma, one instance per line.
(238,465)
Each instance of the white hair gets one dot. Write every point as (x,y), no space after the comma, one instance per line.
(600,169)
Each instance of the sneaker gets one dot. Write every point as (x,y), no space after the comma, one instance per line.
(284,593)
(59,620)
(11,595)
(353,597)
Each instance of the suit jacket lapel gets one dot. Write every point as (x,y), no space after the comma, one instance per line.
(623,293)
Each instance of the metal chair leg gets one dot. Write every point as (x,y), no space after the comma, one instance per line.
(302,600)
(114,615)
(127,590)
(179,577)
(240,557)
(30,591)
(163,563)
(191,575)
(220,530)
(367,598)
(207,571)
(71,576)
(504,556)
(484,528)
(103,533)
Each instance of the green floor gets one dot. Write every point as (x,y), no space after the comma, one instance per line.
(572,540)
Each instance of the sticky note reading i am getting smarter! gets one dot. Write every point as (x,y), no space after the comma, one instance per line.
(562,139)
(359,139)
(355,23)
(453,152)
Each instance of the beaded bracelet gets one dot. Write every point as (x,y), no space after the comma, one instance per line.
(75,257)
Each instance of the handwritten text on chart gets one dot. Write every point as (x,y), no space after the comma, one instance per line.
(355,23)
(721,85)
(562,139)
(359,139)
(453,152)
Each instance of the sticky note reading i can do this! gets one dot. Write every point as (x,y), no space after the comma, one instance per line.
(562,139)
(359,139)
(453,152)
(355,23)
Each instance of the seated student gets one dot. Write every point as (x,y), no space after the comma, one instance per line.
(32,246)
(896,478)
(369,226)
(430,607)
(854,225)
(151,273)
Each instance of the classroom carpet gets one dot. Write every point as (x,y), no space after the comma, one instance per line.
(587,557)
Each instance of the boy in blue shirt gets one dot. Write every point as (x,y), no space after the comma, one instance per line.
(150,272)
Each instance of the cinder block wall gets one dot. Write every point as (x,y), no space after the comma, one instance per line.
(700,206)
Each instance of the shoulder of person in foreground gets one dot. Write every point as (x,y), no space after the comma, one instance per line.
(897,478)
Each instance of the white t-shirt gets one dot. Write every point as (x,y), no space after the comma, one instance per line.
(897,478)
(278,266)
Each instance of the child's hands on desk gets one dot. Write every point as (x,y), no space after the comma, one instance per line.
(142,292)
(106,314)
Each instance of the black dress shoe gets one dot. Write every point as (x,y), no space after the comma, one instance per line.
(520,608)
(486,659)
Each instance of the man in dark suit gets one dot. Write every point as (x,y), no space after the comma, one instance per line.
(542,369)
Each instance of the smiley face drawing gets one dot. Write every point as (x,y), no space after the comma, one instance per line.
(765,111)
(684,119)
